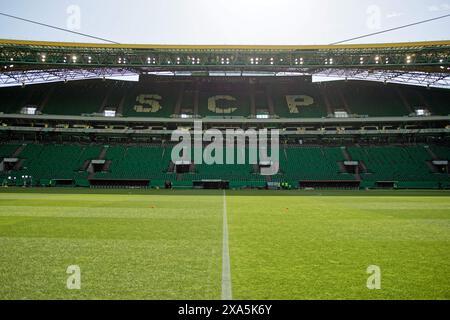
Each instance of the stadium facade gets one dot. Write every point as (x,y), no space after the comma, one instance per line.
(384,124)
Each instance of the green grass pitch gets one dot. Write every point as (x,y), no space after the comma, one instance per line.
(168,244)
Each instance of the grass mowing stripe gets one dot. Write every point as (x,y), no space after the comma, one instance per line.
(151,247)
(226,270)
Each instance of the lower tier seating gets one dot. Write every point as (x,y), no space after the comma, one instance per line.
(407,166)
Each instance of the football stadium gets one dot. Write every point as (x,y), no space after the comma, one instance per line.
(94,204)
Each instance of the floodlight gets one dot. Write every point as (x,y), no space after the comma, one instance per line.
(109,113)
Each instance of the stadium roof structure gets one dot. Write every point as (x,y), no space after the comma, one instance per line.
(416,63)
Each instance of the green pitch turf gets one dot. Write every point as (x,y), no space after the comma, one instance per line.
(168,244)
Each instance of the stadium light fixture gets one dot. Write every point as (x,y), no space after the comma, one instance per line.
(30,110)
(225,60)
(341,114)
(109,113)
(422,112)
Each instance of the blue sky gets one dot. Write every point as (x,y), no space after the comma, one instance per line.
(226,22)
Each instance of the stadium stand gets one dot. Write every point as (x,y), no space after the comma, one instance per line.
(138,162)
(150,100)
(7,150)
(53,162)
(76,98)
(440,152)
(243,175)
(159,98)
(406,166)
(312,163)
(303,102)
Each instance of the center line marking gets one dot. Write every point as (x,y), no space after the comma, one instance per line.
(226,270)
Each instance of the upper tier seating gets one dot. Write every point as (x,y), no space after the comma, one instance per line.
(219,99)
(442,153)
(7,150)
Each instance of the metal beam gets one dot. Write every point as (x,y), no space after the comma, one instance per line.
(423,56)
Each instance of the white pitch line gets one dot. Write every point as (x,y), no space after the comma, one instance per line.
(226,270)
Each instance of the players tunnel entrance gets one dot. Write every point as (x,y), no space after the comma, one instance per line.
(211,184)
